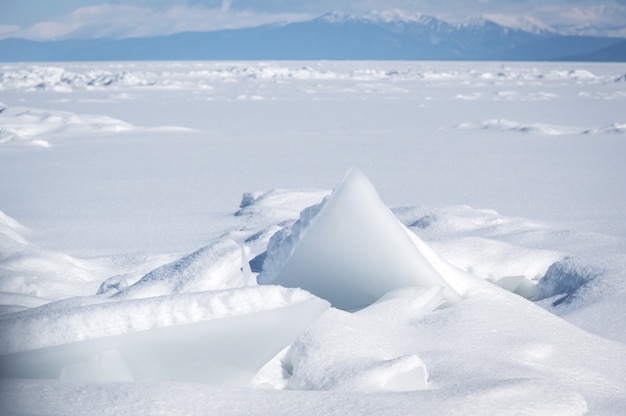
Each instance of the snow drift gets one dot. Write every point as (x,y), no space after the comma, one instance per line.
(372,359)
(28,126)
(220,265)
(32,276)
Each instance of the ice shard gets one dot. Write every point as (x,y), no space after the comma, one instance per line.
(350,250)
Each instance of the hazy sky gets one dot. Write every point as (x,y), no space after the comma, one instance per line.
(89,18)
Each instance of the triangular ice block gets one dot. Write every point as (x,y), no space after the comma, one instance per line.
(349,250)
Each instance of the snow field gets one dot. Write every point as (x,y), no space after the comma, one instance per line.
(152,290)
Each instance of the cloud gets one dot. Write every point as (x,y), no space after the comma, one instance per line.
(6,30)
(597,20)
(123,21)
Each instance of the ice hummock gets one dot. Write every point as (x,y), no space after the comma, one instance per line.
(350,249)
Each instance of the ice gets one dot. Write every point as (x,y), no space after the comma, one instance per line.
(214,337)
(220,265)
(350,250)
(270,211)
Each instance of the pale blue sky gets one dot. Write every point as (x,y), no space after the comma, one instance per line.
(54,19)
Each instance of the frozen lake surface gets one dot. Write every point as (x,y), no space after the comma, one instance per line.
(144,155)
(129,190)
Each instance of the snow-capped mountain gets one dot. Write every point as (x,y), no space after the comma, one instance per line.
(400,18)
(376,35)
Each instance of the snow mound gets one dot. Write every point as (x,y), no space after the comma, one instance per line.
(535,128)
(28,125)
(277,205)
(573,74)
(499,262)
(216,337)
(220,265)
(345,352)
(541,128)
(32,275)
(613,128)
(463,221)
(12,229)
(265,213)
(498,336)
(350,250)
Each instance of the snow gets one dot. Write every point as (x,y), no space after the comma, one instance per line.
(26,125)
(197,399)
(525,23)
(130,248)
(541,129)
(223,264)
(342,351)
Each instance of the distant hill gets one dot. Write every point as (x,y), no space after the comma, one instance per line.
(615,52)
(337,36)
(558,48)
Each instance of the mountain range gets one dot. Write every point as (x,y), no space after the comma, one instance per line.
(375,36)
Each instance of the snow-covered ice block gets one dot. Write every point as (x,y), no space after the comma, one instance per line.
(350,249)
(343,351)
(220,265)
(220,337)
(565,278)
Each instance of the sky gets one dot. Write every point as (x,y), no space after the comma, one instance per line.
(45,19)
